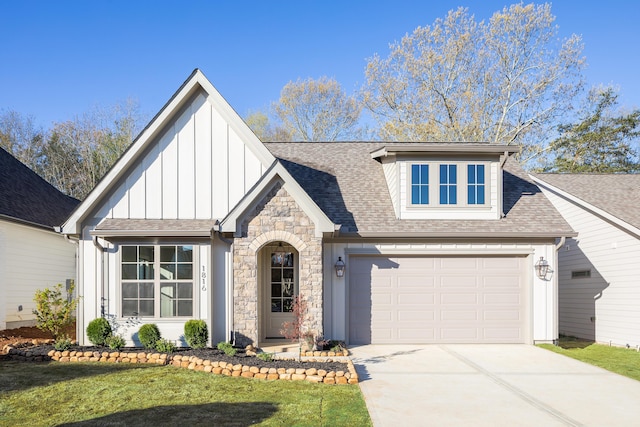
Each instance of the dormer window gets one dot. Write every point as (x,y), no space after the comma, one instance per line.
(419,184)
(448,184)
(475,185)
(445,181)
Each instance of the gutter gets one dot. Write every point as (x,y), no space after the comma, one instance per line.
(458,235)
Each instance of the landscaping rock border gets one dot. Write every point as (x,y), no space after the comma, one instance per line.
(31,354)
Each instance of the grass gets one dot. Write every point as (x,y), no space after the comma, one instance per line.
(622,361)
(83,394)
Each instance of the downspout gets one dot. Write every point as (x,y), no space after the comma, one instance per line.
(215,232)
(503,160)
(556,290)
(102,269)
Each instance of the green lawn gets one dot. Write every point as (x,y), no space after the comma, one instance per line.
(622,361)
(83,394)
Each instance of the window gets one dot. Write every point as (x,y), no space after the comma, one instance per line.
(157,281)
(475,185)
(420,184)
(448,184)
(282,282)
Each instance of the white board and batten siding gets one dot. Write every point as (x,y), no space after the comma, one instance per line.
(198,167)
(603,307)
(30,259)
(508,302)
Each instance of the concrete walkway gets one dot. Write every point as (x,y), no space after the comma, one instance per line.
(490,385)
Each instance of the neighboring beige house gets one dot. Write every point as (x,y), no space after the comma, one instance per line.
(32,255)
(599,270)
(387,242)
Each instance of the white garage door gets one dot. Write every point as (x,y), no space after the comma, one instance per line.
(416,300)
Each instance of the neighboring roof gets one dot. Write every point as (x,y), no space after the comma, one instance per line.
(26,197)
(194,83)
(444,148)
(112,227)
(616,194)
(349,186)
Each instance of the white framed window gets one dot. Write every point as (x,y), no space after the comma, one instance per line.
(448,184)
(419,184)
(157,280)
(476,184)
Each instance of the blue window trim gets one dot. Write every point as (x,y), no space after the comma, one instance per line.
(419,184)
(448,184)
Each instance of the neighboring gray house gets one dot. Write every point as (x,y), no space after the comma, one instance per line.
(32,255)
(599,270)
(200,219)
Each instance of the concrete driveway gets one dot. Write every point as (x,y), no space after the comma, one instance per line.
(490,385)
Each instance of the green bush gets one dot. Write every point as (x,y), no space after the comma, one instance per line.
(115,342)
(62,343)
(265,356)
(227,348)
(53,311)
(165,346)
(196,333)
(98,331)
(149,335)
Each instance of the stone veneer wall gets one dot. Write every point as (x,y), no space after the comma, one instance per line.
(277,217)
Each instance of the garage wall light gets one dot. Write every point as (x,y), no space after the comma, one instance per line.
(542,268)
(340,267)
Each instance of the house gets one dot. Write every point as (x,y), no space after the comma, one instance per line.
(387,242)
(598,270)
(32,255)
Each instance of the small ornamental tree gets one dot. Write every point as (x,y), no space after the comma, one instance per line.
(53,311)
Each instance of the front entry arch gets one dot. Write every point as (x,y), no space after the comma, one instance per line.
(278,278)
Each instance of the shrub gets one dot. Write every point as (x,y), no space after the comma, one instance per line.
(114,342)
(196,333)
(165,346)
(227,348)
(98,331)
(265,356)
(62,343)
(53,312)
(149,335)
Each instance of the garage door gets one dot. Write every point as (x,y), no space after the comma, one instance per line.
(437,300)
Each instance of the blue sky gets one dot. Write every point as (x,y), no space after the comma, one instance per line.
(61,58)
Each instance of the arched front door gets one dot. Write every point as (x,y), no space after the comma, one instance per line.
(279,286)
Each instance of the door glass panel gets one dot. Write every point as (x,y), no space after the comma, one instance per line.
(282,282)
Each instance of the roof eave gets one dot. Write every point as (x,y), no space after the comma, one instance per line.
(444,148)
(460,235)
(150,233)
(28,223)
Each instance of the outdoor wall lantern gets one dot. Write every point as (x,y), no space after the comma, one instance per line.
(340,267)
(542,268)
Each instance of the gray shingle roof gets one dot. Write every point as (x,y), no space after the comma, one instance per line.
(616,194)
(350,187)
(154,227)
(26,197)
